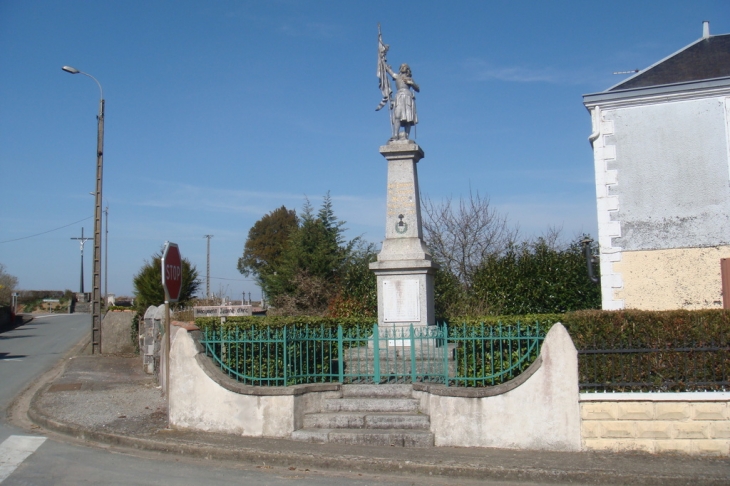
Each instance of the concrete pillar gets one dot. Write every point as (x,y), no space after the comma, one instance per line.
(404,270)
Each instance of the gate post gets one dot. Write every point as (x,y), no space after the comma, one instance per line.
(413,354)
(445,347)
(376,354)
(340,355)
(286,350)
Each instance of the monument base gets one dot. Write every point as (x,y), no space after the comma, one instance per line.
(405,292)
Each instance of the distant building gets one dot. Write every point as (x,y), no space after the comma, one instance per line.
(661,147)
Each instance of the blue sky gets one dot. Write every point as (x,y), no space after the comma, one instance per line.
(219,112)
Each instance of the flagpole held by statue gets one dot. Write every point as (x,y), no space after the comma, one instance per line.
(402,108)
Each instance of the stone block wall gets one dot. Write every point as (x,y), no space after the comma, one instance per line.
(690,423)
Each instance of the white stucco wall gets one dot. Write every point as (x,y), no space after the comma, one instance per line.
(197,402)
(662,168)
(543,413)
(672,163)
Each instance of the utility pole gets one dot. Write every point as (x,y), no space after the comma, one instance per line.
(82,240)
(207,273)
(96,281)
(106,251)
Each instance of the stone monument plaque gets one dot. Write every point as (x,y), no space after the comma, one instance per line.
(401,300)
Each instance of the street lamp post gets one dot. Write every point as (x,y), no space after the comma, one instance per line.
(96,281)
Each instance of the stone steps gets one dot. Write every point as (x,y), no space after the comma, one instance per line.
(371,405)
(367,437)
(354,420)
(380,415)
(377,391)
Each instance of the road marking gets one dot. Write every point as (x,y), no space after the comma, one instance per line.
(50,315)
(16,449)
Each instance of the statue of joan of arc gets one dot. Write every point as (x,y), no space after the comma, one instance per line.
(403,107)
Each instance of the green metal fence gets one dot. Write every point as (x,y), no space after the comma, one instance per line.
(461,355)
(490,355)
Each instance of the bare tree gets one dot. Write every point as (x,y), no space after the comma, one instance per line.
(7,285)
(460,235)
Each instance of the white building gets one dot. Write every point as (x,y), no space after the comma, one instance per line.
(661,148)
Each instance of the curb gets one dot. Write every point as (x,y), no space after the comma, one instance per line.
(355,463)
(323,459)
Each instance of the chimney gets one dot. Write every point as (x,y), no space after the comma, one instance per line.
(705,29)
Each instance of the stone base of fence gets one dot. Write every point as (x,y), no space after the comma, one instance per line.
(690,423)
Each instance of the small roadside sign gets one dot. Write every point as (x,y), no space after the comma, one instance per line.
(171,272)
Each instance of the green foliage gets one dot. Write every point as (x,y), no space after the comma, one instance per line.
(650,329)
(664,369)
(545,321)
(534,277)
(148,288)
(314,251)
(672,367)
(278,322)
(134,331)
(277,356)
(254,350)
(266,242)
(315,270)
(358,294)
(491,355)
(483,346)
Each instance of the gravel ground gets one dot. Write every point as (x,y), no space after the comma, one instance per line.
(107,393)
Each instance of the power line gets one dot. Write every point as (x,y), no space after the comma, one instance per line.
(235,279)
(49,231)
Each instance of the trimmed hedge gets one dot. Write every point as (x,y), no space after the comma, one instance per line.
(628,328)
(647,328)
(652,351)
(277,322)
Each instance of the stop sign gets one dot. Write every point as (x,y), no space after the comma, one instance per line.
(171,272)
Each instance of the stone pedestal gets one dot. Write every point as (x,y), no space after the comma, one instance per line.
(404,269)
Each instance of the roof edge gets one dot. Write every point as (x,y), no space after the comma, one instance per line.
(642,71)
(649,92)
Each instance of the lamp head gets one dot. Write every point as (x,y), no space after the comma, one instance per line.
(70,69)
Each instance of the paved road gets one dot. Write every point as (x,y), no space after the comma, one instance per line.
(30,350)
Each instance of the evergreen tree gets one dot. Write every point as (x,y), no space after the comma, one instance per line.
(266,242)
(313,258)
(148,288)
(314,266)
(357,294)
